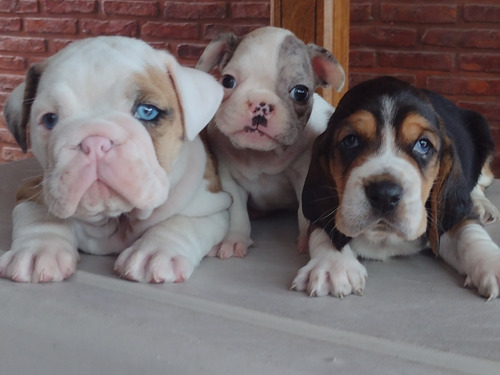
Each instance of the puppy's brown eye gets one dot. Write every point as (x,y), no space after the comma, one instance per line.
(228,81)
(349,142)
(300,93)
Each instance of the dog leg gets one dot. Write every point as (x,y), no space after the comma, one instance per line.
(237,240)
(330,271)
(483,207)
(169,251)
(470,250)
(43,248)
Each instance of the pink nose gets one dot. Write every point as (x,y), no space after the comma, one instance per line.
(96,145)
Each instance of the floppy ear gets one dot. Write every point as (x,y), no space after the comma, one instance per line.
(327,70)
(218,52)
(18,106)
(449,201)
(320,199)
(199,95)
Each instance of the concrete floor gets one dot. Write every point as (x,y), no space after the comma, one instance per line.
(238,316)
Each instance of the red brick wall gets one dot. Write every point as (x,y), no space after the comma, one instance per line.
(31,30)
(449,46)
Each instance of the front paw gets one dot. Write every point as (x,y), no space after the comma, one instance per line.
(487,211)
(485,276)
(39,260)
(332,273)
(153,263)
(234,244)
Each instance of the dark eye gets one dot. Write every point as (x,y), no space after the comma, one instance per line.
(422,146)
(349,142)
(49,120)
(228,81)
(300,93)
(147,112)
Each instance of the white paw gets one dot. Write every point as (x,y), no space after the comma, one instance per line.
(39,260)
(485,276)
(332,273)
(153,263)
(234,244)
(487,211)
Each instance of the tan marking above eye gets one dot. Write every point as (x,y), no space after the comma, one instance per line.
(362,123)
(414,127)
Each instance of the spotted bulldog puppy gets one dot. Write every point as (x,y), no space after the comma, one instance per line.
(114,125)
(264,129)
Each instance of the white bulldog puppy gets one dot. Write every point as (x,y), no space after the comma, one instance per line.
(263,131)
(114,125)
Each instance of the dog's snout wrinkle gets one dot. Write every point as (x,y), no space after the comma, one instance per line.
(384,196)
(96,145)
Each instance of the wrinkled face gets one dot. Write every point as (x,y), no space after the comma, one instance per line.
(106,126)
(385,163)
(268,88)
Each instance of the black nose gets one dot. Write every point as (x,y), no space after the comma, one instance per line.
(384,196)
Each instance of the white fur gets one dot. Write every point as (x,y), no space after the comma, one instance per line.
(162,218)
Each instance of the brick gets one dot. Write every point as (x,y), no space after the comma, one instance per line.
(171,30)
(211,31)
(131,8)
(382,36)
(361,59)
(58,44)
(10,24)
(413,13)
(482,13)
(108,27)
(417,60)
(5,135)
(21,44)
(9,82)
(464,86)
(19,6)
(190,51)
(50,25)
(12,62)
(480,62)
(473,38)
(360,12)
(490,110)
(70,6)
(10,153)
(250,10)
(183,10)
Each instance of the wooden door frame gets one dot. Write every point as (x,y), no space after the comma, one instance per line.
(327,25)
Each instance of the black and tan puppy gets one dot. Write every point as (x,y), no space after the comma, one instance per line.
(393,174)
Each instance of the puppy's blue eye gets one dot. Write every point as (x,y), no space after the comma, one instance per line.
(300,93)
(228,81)
(349,142)
(422,146)
(49,120)
(147,112)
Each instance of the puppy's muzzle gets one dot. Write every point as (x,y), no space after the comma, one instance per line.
(384,196)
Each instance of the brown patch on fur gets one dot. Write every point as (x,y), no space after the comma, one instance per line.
(364,125)
(30,190)
(444,167)
(488,173)
(156,88)
(211,168)
(415,126)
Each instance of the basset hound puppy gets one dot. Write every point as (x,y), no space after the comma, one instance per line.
(398,170)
